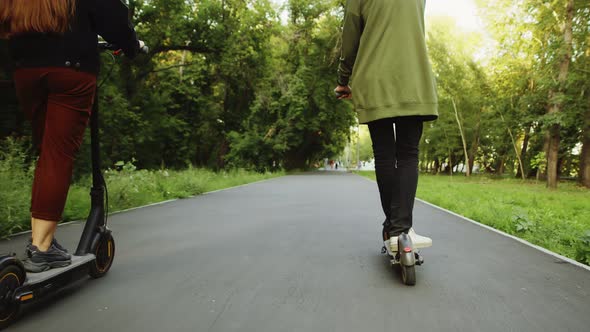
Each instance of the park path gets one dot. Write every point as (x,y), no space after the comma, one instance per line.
(302,253)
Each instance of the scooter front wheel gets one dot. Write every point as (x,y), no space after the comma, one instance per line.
(11,278)
(409,275)
(105,254)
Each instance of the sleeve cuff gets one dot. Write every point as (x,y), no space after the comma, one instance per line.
(343,81)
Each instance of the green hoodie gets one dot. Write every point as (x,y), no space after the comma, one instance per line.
(384,41)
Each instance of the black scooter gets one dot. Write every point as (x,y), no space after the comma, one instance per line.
(94,255)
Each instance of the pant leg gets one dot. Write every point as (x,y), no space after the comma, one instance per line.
(383,139)
(32,99)
(69,99)
(408,133)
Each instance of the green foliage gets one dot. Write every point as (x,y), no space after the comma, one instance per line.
(583,248)
(295,120)
(222,75)
(503,97)
(16,172)
(539,161)
(230,84)
(128,186)
(522,222)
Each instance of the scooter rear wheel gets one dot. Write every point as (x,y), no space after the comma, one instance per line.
(409,275)
(11,278)
(105,254)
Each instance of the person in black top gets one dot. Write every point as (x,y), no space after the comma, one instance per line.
(53,46)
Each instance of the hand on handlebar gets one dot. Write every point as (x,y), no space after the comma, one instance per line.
(343,92)
(104,46)
(143,47)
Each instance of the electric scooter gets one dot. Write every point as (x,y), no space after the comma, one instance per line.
(403,253)
(406,254)
(95,252)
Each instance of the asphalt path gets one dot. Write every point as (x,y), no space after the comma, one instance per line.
(302,253)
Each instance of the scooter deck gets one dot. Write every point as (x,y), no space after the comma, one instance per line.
(417,246)
(35,278)
(394,257)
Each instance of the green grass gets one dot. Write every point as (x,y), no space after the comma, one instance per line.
(128,188)
(558,220)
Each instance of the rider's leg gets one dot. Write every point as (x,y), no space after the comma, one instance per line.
(382,137)
(42,233)
(59,118)
(408,131)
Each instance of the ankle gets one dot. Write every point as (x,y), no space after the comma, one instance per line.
(43,231)
(42,245)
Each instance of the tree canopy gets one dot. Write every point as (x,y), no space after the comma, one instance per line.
(246,83)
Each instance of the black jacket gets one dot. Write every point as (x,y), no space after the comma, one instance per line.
(77,47)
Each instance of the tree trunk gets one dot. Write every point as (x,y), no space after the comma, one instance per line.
(475,144)
(556,99)
(462,137)
(521,169)
(584,176)
(523,150)
(125,70)
(553,155)
(500,168)
(221,153)
(542,171)
(450,165)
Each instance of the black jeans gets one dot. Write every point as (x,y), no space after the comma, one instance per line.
(396,167)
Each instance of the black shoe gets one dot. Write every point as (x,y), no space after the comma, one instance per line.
(53,243)
(58,246)
(40,261)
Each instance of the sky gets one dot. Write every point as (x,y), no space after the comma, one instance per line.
(463,11)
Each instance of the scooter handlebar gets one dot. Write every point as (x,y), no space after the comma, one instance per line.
(341,94)
(143,48)
(104,46)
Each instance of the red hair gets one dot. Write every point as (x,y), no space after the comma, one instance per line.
(20,16)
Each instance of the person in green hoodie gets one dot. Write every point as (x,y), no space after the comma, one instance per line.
(384,64)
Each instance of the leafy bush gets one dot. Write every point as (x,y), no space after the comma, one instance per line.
(16,173)
(583,248)
(128,186)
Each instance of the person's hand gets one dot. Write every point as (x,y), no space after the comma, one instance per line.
(343,92)
(143,47)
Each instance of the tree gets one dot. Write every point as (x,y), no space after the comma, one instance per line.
(295,120)
(462,88)
(556,95)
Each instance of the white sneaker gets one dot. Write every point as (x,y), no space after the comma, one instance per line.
(418,241)
(391,245)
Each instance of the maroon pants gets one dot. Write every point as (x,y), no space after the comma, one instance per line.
(58,102)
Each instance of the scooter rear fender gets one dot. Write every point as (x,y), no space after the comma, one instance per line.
(406,250)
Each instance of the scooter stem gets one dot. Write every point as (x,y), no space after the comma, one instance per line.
(97,212)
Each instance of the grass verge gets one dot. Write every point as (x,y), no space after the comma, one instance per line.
(558,220)
(127,188)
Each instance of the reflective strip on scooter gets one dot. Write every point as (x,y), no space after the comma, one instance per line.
(26,297)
